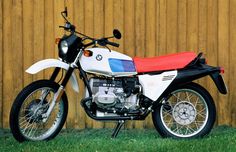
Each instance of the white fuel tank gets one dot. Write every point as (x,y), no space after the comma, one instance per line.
(111,64)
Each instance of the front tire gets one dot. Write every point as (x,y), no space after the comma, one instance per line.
(188,112)
(26,116)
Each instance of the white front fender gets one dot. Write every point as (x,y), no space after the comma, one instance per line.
(52,63)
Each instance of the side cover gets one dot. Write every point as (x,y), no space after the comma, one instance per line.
(155,85)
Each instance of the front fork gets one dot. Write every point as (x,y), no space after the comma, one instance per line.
(60,90)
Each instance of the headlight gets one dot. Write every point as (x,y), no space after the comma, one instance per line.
(64,47)
(68,47)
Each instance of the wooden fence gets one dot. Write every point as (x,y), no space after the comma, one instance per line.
(28,29)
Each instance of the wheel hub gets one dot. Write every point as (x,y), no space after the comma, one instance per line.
(184,113)
(35,110)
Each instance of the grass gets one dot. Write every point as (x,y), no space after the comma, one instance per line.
(98,140)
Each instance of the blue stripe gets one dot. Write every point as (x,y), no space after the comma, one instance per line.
(118,65)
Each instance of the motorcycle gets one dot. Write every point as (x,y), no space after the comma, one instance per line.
(118,88)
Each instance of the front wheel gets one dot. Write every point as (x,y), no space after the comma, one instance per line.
(27,116)
(187,112)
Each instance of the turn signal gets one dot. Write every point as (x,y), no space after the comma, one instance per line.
(57,40)
(88,53)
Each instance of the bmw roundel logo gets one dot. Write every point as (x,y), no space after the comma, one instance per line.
(99,57)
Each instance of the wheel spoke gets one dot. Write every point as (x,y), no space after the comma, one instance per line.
(198,124)
(177,97)
(166,115)
(202,115)
(196,102)
(170,122)
(35,129)
(30,129)
(204,109)
(26,126)
(191,130)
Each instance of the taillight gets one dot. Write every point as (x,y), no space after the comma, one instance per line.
(222,70)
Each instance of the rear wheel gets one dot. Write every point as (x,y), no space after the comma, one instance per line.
(27,117)
(188,112)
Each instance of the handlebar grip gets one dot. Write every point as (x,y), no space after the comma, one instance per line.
(65,28)
(113,44)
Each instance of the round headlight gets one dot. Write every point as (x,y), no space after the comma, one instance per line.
(64,46)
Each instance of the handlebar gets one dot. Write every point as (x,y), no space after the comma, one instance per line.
(68,27)
(103,41)
(113,43)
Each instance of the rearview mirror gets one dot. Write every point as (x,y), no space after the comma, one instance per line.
(117,34)
(66,13)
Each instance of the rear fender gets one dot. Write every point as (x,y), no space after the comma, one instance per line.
(219,81)
(193,73)
(52,63)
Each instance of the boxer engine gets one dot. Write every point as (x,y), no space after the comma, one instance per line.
(115,96)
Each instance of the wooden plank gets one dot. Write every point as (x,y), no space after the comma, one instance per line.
(224,109)
(140,28)
(139,37)
(128,36)
(118,22)
(28,48)
(58,20)
(150,28)
(182,26)
(157,15)
(17,47)
(202,32)
(89,25)
(163,29)
(98,33)
(150,40)
(38,30)
(192,22)
(1,61)
(171,26)
(212,51)
(108,17)
(79,23)
(7,61)
(12,71)
(202,26)
(232,71)
(49,39)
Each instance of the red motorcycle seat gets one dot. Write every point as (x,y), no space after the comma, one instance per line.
(161,63)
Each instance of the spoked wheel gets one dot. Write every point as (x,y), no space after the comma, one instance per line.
(28,120)
(188,112)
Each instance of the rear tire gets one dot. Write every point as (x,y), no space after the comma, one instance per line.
(189,112)
(26,118)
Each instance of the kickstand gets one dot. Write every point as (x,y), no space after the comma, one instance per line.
(117,128)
